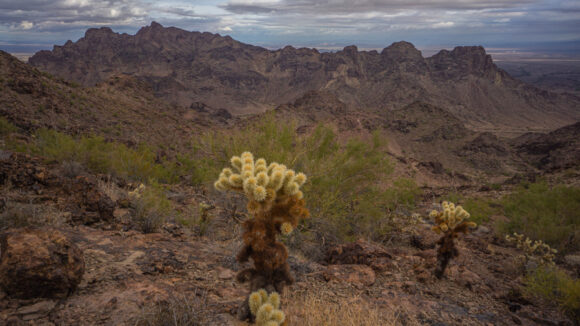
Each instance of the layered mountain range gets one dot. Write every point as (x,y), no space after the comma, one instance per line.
(193,69)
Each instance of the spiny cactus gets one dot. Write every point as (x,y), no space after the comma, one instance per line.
(266,308)
(450,221)
(536,251)
(277,205)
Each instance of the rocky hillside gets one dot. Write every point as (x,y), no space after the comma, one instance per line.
(190,67)
(121,108)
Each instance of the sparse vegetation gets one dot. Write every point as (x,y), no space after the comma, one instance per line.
(6,127)
(15,215)
(150,207)
(100,156)
(312,310)
(175,311)
(553,285)
(533,251)
(543,212)
(348,177)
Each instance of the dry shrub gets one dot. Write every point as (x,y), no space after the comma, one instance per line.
(311,310)
(110,188)
(15,215)
(175,311)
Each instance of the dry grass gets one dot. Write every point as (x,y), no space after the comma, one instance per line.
(177,310)
(110,189)
(15,215)
(311,310)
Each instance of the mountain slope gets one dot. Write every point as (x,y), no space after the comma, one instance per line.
(121,108)
(186,67)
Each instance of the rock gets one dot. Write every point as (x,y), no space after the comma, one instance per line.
(225,274)
(481,230)
(573,260)
(39,263)
(354,274)
(468,278)
(87,202)
(37,310)
(359,252)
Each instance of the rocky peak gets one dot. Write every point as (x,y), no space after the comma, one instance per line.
(462,61)
(97,33)
(402,49)
(403,56)
(350,51)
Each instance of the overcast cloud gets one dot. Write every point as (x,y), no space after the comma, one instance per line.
(34,24)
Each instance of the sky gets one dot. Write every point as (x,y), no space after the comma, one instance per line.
(517,26)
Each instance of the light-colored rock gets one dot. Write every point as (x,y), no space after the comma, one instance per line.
(37,310)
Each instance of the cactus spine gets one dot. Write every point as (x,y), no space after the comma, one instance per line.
(450,221)
(277,205)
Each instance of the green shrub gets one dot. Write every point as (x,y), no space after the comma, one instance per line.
(403,193)
(542,212)
(100,156)
(481,209)
(6,127)
(554,285)
(150,207)
(345,190)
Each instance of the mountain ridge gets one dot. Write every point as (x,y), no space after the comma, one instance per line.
(188,67)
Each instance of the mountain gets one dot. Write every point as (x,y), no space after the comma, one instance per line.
(191,67)
(121,108)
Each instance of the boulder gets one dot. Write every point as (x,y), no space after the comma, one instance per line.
(39,263)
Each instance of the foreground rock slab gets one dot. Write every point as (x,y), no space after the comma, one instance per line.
(39,263)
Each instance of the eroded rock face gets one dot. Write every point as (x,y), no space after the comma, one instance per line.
(88,203)
(39,263)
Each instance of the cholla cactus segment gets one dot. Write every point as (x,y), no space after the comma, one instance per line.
(255,302)
(286,228)
(137,192)
(538,250)
(260,181)
(451,218)
(266,308)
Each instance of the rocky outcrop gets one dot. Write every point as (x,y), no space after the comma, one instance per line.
(188,67)
(557,150)
(39,263)
(87,202)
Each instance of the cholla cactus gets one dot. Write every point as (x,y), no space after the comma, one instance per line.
(137,192)
(450,221)
(277,205)
(266,308)
(536,251)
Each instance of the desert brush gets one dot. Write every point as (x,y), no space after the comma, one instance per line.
(536,251)
(451,221)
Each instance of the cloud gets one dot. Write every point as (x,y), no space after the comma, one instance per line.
(302,22)
(54,15)
(350,6)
